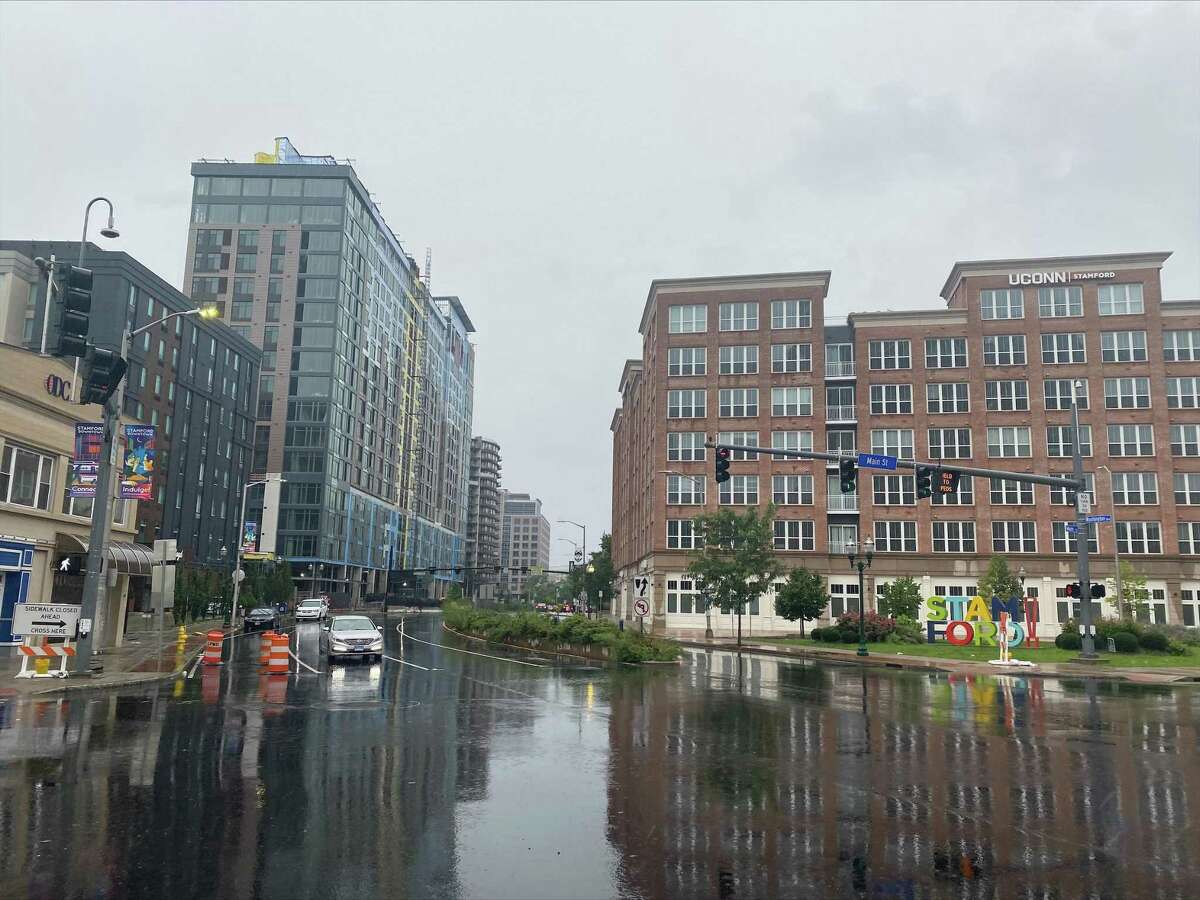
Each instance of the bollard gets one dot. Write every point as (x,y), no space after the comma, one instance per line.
(264,648)
(181,637)
(212,652)
(278,663)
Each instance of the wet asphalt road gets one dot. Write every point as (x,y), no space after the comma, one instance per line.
(456,775)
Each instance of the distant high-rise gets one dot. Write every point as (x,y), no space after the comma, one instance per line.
(483,517)
(525,541)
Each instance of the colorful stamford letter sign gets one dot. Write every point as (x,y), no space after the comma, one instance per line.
(968,620)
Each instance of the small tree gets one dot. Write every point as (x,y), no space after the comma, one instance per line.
(736,562)
(802,597)
(999,581)
(1134,599)
(901,597)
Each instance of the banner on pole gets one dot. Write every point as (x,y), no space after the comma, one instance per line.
(138,470)
(249,537)
(85,463)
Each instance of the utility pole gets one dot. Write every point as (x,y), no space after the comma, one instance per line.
(1083,506)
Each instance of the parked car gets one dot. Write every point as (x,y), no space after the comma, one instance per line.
(351,636)
(312,608)
(261,618)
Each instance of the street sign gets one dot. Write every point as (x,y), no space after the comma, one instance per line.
(641,584)
(1073,528)
(1092,520)
(1083,502)
(536,570)
(876,461)
(45,619)
(641,607)
(947,482)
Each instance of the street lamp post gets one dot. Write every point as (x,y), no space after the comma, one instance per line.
(1116,548)
(237,565)
(108,231)
(860,556)
(584,528)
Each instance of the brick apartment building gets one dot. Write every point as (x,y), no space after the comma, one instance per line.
(984,382)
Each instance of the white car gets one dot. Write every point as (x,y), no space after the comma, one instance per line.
(351,636)
(314,608)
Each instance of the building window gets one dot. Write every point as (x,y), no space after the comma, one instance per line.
(795,534)
(1126,393)
(949,443)
(892,442)
(947,397)
(791,440)
(791,313)
(791,358)
(683,597)
(1185,439)
(686,404)
(895,537)
(891,399)
(1058,393)
(1183,393)
(248,240)
(792,490)
(1134,489)
(25,477)
(739,439)
(688,319)
(839,404)
(1121,300)
(1004,350)
(794,401)
(1063,348)
(1123,346)
(740,490)
(1140,538)
(1059,441)
(1014,537)
(738,317)
(687,361)
(1002,304)
(741,360)
(246,262)
(1187,488)
(1060,302)
(685,491)
(840,536)
(241,311)
(1005,492)
(844,442)
(1135,440)
(738,403)
(1007,396)
(682,534)
(1064,541)
(894,490)
(685,446)
(945,353)
(886,355)
(964,496)
(1189,545)
(1181,346)
(843,597)
(1008,442)
(953,537)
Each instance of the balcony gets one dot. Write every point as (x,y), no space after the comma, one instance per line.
(843,502)
(839,368)
(841,414)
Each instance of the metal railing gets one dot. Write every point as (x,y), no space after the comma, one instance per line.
(841,414)
(839,368)
(843,502)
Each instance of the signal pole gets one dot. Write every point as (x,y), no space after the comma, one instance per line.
(1083,533)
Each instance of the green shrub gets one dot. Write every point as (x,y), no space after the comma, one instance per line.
(1178,648)
(831,635)
(1110,627)
(1125,642)
(1070,640)
(1182,634)
(817,634)
(848,634)
(1154,640)
(908,631)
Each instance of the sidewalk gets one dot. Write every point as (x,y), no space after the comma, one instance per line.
(139,659)
(899,661)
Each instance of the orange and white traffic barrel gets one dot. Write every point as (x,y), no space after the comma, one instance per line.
(280,646)
(264,649)
(212,651)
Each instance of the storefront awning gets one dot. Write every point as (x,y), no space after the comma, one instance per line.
(127,558)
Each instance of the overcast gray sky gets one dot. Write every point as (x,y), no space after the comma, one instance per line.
(557,158)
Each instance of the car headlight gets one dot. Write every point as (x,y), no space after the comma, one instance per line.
(378,642)
(340,645)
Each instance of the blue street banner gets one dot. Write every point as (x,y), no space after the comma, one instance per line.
(250,537)
(876,461)
(137,471)
(85,463)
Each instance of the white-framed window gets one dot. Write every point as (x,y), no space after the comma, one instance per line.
(1058,393)
(791,401)
(894,490)
(1181,346)
(946,353)
(1002,304)
(840,441)
(892,442)
(683,596)
(1185,440)
(953,537)
(686,404)
(791,314)
(1063,541)
(891,400)
(691,319)
(738,403)
(840,536)
(740,490)
(1059,440)
(1191,609)
(1007,396)
(1133,440)
(1062,348)
(949,443)
(685,491)
(685,446)
(1123,346)
(1006,492)
(1135,488)
(886,355)
(1121,299)
(739,439)
(843,595)
(25,476)
(1126,393)
(739,316)
(964,496)
(740,360)
(791,358)
(1183,393)
(795,534)
(895,536)
(1139,538)
(942,397)
(687,361)
(1187,488)
(791,440)
(1014,537)
(792,490)
(1060,302)
(1006,441)
(682,534)
(1189,545)
(1004,350)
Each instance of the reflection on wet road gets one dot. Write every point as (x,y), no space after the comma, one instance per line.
(470,776)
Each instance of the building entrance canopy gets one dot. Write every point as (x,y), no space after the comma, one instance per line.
(129,559)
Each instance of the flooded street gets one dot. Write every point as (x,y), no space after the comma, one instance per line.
(440,773)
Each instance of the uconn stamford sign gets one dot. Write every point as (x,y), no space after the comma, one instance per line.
(1018,278)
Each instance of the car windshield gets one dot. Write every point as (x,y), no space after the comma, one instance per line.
(312,603)
(353,623)
(262,611)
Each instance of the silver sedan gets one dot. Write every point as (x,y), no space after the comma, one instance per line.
(351,636)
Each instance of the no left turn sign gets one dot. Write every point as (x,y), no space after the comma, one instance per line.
(641,607)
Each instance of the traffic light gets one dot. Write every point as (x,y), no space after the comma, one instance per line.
(104,373)
(848,469)
(1073,590)
(1098,591)
(924,481)
(74,287)
(722,464)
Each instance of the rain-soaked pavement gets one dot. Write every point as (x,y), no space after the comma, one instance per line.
(456,775)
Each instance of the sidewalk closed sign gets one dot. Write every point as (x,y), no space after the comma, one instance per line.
(45,619)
